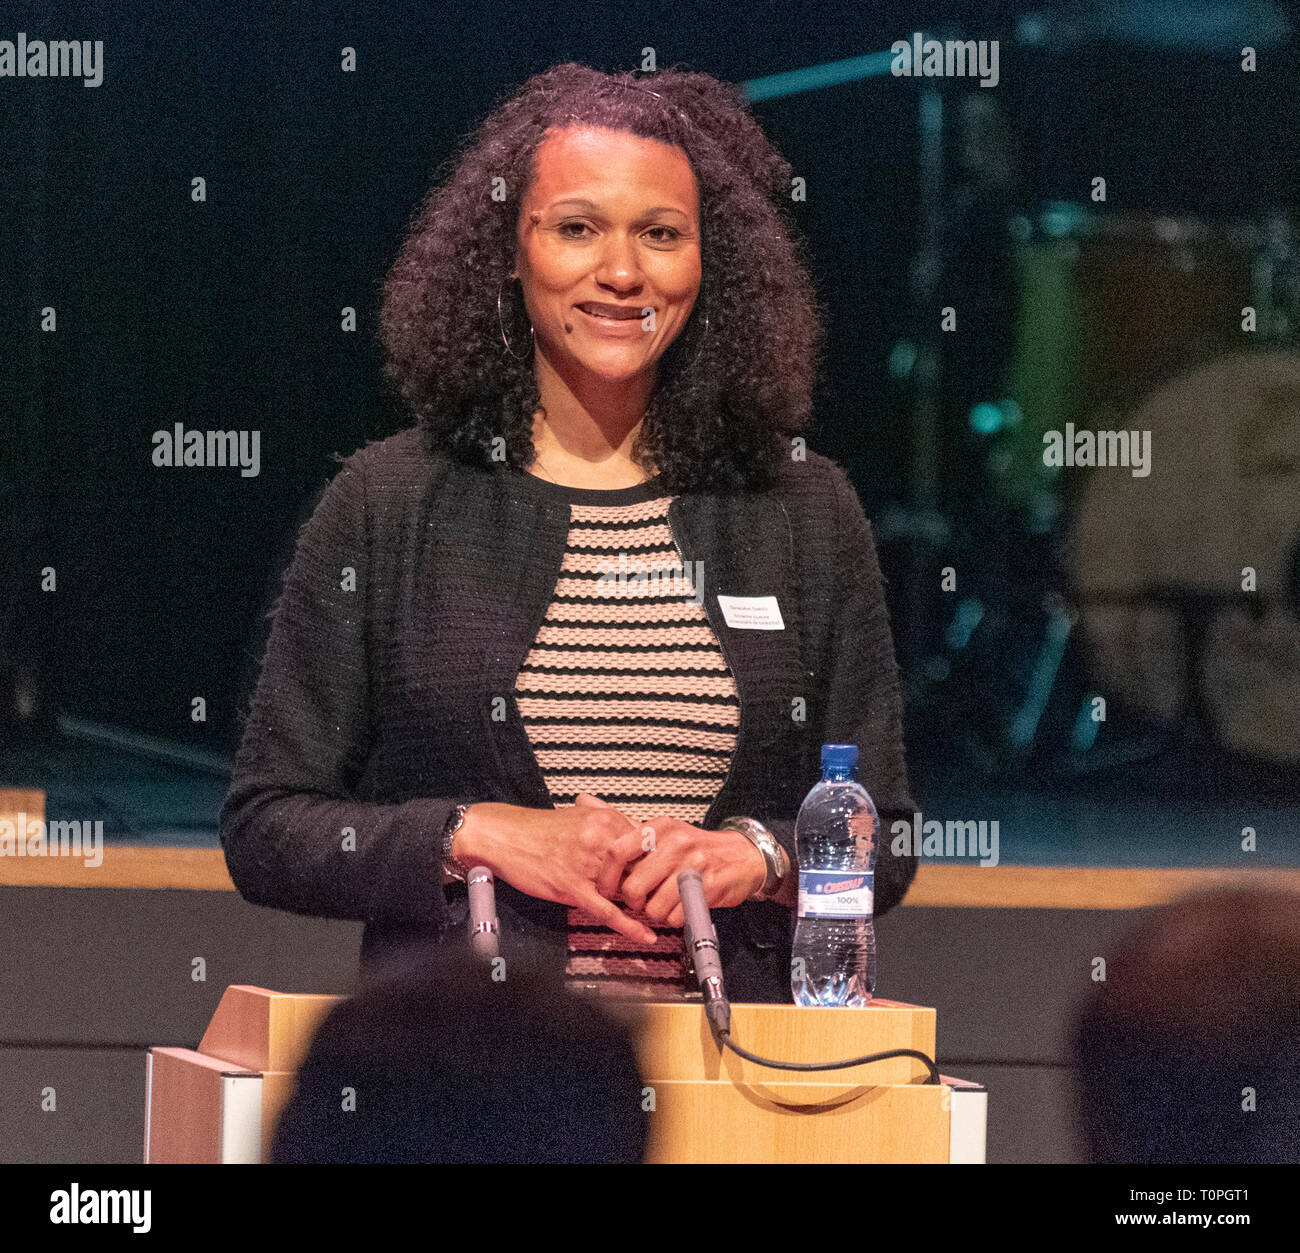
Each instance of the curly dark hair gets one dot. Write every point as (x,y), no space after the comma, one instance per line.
(726,397)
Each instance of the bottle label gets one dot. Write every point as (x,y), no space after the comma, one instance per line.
(835,893)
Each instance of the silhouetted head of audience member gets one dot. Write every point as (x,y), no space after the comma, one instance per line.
(442,1063)
(1188,1051)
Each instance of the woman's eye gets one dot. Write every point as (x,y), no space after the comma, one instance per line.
(656,234)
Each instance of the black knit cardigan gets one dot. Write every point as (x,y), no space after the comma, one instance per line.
(385,696)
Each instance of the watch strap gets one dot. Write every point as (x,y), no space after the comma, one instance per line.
(450,864)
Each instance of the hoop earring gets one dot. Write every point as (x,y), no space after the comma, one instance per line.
(704,334)
(501,322)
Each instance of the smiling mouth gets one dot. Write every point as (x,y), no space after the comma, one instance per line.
(616,313)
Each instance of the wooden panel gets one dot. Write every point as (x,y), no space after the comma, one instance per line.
(185,1106)
(124,866)
(936,885)
(716,1121)
(16,801)
(709,1105)
(18,807)
(277,1088)
(674,1042)
(1078,887)
(264,1030)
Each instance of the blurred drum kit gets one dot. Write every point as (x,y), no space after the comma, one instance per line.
(1174,594)
(1183,581)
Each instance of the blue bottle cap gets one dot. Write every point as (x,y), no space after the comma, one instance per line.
(840,756)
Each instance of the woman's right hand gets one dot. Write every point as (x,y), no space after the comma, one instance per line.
(553,854)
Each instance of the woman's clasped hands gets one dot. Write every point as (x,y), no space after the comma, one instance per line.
(593,856)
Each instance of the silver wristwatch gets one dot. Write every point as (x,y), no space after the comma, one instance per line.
(775,857)
(451,865)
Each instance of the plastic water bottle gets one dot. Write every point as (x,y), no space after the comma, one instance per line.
(835,938)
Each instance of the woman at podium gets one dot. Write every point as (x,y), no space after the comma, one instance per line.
(590,619)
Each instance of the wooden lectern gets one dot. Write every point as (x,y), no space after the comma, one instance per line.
(221,1102)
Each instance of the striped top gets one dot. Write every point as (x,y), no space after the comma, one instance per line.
(625,695)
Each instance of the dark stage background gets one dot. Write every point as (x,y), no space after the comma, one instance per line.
(227,314)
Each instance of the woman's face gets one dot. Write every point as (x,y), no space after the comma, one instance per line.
(609,228)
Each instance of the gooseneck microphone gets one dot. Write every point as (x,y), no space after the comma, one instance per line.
(483,926)
(702,948)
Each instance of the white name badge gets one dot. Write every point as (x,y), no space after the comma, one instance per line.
(751,613)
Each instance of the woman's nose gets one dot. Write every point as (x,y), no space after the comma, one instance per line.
(618,266)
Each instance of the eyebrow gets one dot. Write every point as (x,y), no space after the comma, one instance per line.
(592,207)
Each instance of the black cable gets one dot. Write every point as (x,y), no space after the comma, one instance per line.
(725,1038)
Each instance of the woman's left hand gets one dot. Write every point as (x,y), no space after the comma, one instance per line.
(731,868)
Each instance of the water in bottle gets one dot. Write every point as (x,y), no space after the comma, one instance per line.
(835,940)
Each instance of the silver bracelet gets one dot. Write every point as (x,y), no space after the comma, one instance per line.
(774,856)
